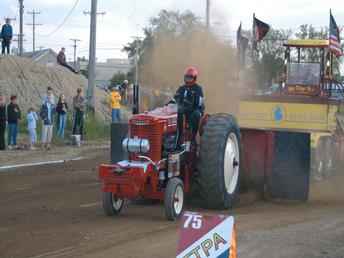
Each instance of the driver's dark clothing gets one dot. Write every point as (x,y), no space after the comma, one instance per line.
(190,100)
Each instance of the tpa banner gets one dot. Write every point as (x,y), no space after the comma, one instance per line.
(204,236)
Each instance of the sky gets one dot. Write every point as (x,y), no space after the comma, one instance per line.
(126,18)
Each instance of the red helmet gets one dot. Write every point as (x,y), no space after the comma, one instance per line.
(190,76)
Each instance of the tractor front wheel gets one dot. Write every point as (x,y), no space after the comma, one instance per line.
(111,204)
(174,198)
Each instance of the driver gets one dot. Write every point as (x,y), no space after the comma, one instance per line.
(190,100)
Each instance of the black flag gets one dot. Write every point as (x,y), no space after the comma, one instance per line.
(260,29)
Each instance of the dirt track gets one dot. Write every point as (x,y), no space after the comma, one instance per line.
(55,211)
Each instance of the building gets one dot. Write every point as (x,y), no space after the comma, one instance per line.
(45,57)
(106,70)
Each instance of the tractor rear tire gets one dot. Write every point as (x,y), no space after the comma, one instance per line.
(174,199)
(112,205)
(219,159)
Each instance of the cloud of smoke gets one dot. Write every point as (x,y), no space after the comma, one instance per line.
(164,68)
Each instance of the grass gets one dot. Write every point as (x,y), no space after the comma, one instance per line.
(95,128)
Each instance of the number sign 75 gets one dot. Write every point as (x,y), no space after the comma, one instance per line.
(194,220)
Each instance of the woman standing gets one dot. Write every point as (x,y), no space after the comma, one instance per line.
(61,110)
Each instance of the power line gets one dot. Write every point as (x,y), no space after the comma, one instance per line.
(102,49)
(9,18)
(65,19)
(98,13)
(17,38)
(34,24)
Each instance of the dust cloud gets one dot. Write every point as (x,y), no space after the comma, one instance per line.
(216,60)
(330,189)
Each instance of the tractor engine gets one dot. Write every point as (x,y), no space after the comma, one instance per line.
(150,146)
(151,135)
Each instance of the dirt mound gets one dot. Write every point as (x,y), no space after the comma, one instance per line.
(29,81)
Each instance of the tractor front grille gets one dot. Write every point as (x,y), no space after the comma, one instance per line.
(151,129)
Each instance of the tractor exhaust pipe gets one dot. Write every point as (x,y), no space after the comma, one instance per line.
(136,99)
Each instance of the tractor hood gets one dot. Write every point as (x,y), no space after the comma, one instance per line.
(166,114)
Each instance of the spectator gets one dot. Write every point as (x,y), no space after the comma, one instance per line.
(32,119)
(2,122)
(50,95)
(13,116)
(61,59)
(115,104)
(79,112)
(61,110)
(47,113)
(6,35)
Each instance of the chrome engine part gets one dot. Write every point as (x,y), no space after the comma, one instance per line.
(136,145)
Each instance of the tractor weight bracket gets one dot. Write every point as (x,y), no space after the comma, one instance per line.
(156,165)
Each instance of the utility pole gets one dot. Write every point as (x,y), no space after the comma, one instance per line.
(34,24)
(75,46)
(207,14)
(21,35)
(137,49)
(92,54)
(137,63)
(17,39)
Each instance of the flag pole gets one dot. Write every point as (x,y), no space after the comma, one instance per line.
(329,31)
(239,51)
(253,37)
(239,42)
(331,54)
(254,28)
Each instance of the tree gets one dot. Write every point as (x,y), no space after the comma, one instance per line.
(118,78)
(307,31)
(167,25)
(269,63)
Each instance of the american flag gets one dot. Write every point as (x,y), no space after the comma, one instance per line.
(334,39)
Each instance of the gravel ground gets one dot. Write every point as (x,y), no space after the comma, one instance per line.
(55,211)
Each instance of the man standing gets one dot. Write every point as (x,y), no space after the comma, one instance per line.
(6,35)
(79,112)
(2,122)
(61,59)
(13,116)
(115,104)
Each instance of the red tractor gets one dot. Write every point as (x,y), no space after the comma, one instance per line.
(145,163)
